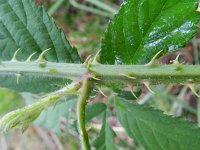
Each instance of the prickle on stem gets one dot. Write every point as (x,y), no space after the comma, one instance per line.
(30,57)
(176,60)
(192,88)
(96,57)
(102,93)
(147,85)
(153,61)
(128,76)
(132,92)
(14,59)
(41,56)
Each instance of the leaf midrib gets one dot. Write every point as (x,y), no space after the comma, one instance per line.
(148,30)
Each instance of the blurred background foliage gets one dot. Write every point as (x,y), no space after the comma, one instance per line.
(84,22)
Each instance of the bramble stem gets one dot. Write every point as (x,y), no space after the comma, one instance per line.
(108,74)
(82,101)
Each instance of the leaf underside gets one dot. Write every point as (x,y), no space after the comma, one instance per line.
(144,27)
(156,131)
(27,26)
(94,110)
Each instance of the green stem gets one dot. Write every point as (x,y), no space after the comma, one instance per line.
(108,74)
(82,102)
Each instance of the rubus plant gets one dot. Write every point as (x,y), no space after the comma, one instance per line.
(37,58)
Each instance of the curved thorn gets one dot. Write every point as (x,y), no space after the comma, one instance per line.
(15,55)
(153,60)
(41,57)
(132,92)
(147,84)
(91,97)
(192,88)
(93,76)
(87,60)
(128,76)
(97,79)
(30,57)
(176,60)
(99,89)
(95,59)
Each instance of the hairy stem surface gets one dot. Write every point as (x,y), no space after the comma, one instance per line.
(24,116)
(107,74)
(82,101)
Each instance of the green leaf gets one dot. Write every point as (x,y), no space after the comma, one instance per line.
(94,110)
(32,83)
(51,118)
(129,95)
(27,26)
(144,27)
(9,100)
(106,136)
(156,131)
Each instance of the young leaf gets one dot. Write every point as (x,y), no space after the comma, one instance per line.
(105,139)
(22,118)
(144,27)
(157,131)
(9,100)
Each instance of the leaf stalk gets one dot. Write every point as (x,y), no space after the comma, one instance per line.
(82,102)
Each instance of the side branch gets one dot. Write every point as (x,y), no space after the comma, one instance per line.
(23,117)
(82,101)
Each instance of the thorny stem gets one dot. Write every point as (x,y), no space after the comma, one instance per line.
(118,75)
(82,101)
(108,74)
